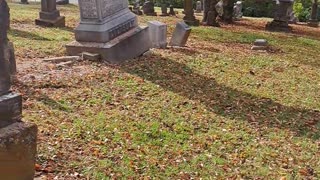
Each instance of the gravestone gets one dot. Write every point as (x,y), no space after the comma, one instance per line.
(109,28)
(158,34)
(164,10)
(180,35)
(148,8)
(17,139)
(281,19)
(313,21)
(198,7)
(260,44)
(49,15)
(189,17)
(237,10)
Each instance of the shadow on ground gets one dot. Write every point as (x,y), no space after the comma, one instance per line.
(27,35)
(223,100)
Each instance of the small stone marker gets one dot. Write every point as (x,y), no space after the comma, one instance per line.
(49,15)
(17,139)
(260,44)
(158,34)
(180,35)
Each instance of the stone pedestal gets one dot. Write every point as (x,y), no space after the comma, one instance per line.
(49,15)
(189,17)
(280,22)
(108,28)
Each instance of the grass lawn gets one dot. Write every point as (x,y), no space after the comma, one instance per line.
(212,110)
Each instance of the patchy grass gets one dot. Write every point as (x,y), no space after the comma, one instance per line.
(213,110)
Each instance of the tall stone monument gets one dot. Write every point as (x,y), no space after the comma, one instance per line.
(110,29)
(49,15)
(313,21)
(17,139)
(189,17)
(281,18)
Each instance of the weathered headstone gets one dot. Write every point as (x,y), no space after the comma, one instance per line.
(108,28)
(189,17)
(260,44)
(198,7)
(148,8)
(49,15)
(313,21)
(281,19)
(158,34)
(237,10)
(17,139)
(164,10)
(180,35)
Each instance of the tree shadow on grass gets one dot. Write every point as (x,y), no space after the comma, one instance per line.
(223,100)
(30,92)
(27,35)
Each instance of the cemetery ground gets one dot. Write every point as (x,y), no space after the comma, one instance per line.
(214,109)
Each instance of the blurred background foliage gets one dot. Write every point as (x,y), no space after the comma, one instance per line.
(253,8)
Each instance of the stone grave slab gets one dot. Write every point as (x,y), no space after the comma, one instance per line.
(158,34)
(180,35)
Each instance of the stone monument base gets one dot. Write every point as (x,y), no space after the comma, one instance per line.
(18,151)
(127,46)
(59,22)
(278,26)
(312,23)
